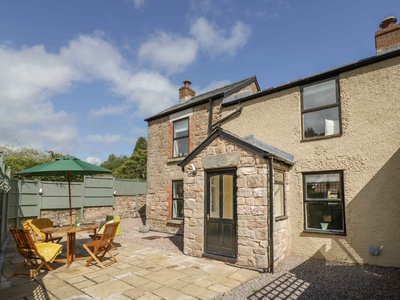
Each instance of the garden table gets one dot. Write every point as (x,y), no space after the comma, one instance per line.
(71,239)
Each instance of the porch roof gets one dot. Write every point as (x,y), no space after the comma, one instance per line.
(249,143)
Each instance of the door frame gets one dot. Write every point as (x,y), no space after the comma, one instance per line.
(208,174)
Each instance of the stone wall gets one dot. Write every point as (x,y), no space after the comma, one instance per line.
(125,207)
(252,206)
(162,168)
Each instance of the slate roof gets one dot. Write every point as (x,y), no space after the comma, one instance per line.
(249,143)
(317,77)
(204,98)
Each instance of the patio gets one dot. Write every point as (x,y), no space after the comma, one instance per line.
(152,266)
(141,273)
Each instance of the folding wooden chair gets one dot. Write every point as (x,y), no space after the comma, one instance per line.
(35,255)
(36,225)
(100,232)
(102,246)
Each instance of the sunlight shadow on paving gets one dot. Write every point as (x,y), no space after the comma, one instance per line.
(287,286)
(152,237)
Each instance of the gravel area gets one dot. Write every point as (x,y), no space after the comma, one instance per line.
(153,239)
(295,277)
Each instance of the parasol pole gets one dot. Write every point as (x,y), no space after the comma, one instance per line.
(70,201)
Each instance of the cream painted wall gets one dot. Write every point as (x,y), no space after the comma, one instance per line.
(368,152)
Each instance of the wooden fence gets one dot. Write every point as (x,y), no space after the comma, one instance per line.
(27,198)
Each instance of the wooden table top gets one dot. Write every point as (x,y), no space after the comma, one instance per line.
(68,229)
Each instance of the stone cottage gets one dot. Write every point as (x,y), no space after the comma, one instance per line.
(311,167)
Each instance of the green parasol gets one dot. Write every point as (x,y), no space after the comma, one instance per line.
(65,166)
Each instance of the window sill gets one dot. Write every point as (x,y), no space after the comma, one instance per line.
(175,159)
(317,138)
(174,222)
(320,231)
(281,218)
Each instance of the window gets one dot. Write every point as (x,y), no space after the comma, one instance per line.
(279,194)
(177,199)
(323,202)
(181,137)
(321,109)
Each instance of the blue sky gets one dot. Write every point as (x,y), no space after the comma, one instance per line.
(80,77)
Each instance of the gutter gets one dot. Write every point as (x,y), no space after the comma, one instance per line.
(318,76)
(271,215)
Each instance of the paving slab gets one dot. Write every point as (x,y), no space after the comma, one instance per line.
(106,289)
(140,273)
(168,293)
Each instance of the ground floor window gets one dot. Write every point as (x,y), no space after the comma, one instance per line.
(177,199)
(324,202)
(279,194)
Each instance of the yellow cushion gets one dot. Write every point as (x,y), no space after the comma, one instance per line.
(116,219)
(36,225)
(49,251)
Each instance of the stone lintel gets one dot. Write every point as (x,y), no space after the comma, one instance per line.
(221,160)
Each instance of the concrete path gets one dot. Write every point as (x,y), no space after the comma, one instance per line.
(141,273)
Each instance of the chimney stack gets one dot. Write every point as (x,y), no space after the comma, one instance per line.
(388,38)
(185,92)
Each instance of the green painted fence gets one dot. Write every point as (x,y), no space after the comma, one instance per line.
(27,198)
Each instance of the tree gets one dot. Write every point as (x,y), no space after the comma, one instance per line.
(136,165)
(26,158)
(114,162)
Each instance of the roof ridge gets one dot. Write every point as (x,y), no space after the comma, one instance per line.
(202,97)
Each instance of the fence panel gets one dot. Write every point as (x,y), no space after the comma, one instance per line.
(55,195)
(128,187)
(99,191)
(13,199)
(29,200)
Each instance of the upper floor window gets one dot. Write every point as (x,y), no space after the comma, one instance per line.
(181,137)
(177,199)
(321,109)
(279,194)
(324,202)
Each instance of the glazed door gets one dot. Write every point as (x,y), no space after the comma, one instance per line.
(220,219)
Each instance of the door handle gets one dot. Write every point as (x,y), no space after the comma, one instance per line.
(208,217)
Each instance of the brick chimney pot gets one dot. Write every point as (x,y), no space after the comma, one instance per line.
(388,38)
(185,92)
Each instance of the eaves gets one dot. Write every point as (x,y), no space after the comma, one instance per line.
(318,77)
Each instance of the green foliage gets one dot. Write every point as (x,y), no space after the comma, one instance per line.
(136,165)
(26,158)
(132,167)
(141,143)
(114,162)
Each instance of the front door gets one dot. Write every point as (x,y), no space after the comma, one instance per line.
(220,224)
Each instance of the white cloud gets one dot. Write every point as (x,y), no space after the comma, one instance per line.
(171,52)
(107,139)
(217,41)
(108,110)
(138,3)
(174,53)
(31,78)
(93,160)
(28,78)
